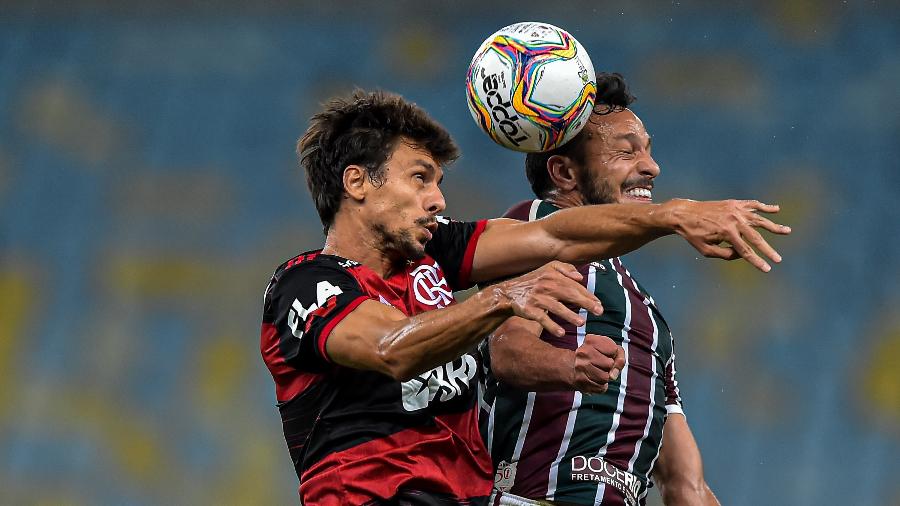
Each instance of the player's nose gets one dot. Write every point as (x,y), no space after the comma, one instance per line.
(435,203)
(648,167)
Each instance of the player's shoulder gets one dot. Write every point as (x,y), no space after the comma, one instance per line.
(311,266)
(529,210)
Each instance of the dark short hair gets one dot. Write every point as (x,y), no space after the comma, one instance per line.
(363,129)
(612,96)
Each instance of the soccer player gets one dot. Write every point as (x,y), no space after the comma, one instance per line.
(369,353)
(566,423)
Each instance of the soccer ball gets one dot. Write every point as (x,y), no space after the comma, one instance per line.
(531,87)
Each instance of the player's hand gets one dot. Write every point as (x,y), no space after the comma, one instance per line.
(727,229)
(552,290)
(597,362)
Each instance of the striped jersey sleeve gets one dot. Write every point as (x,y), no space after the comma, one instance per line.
(673,394)
(302,306)
(453,246)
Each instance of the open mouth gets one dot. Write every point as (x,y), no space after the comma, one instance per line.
(639,193)
(430,229)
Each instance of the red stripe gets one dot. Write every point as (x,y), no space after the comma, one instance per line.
(289,381)
(465,270)
(323,336)
(449,457)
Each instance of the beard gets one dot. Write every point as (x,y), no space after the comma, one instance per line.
(600,190)
(595,191)
(402,243)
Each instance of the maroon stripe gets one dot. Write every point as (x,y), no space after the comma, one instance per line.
(636,404)
(612,497)
(672,393)
(519,211)
(549,415)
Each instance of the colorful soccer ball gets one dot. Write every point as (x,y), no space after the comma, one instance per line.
(531,87)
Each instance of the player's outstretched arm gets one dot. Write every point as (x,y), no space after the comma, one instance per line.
(679,469)
(718,229)
(522,359)
(378,337)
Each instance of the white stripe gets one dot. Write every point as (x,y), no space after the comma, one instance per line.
(532,213)
(523,430)
(529,405)
(626,328)
(576,401)
(598,501)
(637,447)
(490,429)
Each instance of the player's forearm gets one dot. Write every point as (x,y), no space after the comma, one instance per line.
(433,338)
(679,470)
(524,361)
(687,494)
(588,233)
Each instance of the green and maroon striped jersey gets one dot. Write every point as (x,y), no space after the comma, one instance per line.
(559,446)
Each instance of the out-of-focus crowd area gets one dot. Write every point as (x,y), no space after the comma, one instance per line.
(149,186)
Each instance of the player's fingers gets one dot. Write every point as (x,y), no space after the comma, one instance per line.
(618,364)
(597,374)
(619,359)
(747,253)
(567,270)
(598,360)
(586,385)
(540,315)
(765,223)
(725,252)
(603,344)
(759,242)
(561,311)
(575,294)
(759,206)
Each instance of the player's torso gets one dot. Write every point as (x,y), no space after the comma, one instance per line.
(422,430)
(550,444)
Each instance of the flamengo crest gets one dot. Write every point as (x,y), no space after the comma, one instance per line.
(430,286)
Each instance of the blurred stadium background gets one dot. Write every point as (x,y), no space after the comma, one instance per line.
(148,187)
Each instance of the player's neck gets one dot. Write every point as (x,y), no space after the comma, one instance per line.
(563,200)
(359,246)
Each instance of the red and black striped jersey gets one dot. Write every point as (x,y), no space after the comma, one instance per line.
(358,436)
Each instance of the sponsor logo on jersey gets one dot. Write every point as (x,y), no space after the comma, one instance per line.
(298,313)
(505,476)
(430,286)
(594,468)
(444,382)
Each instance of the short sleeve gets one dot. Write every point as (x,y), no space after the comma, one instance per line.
(304,305)
(673,394)
(453,246)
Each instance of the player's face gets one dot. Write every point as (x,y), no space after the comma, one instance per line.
(618,165)
(405,206)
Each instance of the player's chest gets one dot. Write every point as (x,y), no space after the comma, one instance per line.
(420,287)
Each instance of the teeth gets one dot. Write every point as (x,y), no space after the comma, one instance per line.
(639,192)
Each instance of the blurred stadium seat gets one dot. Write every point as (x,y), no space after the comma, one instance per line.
(148,188)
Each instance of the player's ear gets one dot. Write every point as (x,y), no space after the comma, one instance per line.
(355,182)
(562,173)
